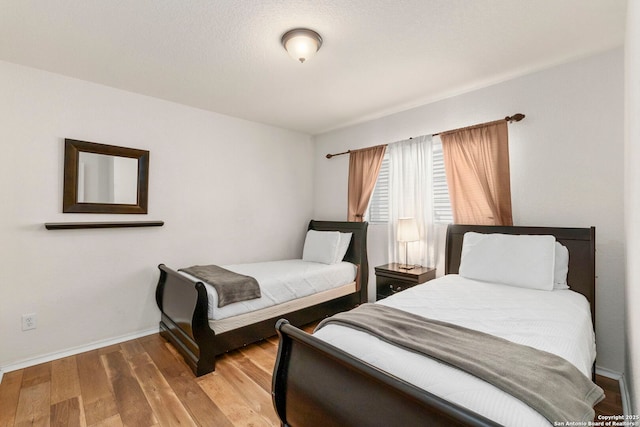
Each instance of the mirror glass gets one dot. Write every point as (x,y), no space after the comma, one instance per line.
(107,179)
(101,178)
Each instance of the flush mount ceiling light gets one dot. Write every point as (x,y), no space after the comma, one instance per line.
(301,43)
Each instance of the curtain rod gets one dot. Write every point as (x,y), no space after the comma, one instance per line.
(515,118)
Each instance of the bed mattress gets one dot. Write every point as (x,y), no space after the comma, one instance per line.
(557,321)
(280,282)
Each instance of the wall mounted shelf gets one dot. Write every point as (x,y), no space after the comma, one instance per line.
(112,224)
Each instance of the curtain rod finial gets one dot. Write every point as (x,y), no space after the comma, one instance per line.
(515,118)
(328,156)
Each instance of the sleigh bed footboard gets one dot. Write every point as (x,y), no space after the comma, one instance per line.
(184,321)
(315,383)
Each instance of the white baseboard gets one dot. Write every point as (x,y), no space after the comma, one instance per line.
(72,351)
(624,392)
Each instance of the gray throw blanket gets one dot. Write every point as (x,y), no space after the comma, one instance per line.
(546,382)
(230,286)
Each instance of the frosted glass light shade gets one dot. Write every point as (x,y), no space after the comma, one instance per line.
(301,43)
(408,230)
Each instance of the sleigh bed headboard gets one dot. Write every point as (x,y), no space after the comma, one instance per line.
(579,241)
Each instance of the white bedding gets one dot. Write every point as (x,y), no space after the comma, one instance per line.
(281,281)
(555,321)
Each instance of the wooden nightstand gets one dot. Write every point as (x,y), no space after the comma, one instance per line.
(391,279)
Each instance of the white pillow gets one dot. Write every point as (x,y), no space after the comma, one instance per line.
(561,267)
(345,239)
(517,260)
(321,246)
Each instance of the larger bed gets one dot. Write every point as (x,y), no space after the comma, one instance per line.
(340,376)
(200,328)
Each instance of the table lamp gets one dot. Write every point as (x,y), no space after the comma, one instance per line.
(407,232)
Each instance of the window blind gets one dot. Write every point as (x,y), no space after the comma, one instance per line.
(378,211)
(441,201)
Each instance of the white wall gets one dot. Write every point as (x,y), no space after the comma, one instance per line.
(632,201)
(228,190)
(566,164)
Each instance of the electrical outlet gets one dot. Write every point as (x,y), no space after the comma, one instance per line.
(29,321)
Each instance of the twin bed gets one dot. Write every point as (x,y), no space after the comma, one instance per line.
(343,375)
(201,328)
(349,373)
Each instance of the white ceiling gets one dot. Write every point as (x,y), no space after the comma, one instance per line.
(378,56)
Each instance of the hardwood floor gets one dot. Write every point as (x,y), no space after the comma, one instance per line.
(144,382)
(612,404)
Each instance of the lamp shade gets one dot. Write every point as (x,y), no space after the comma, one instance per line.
(301,43)
(407,230)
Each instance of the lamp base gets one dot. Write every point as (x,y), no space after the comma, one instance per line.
(406,267)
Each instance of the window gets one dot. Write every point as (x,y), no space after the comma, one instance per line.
(441,201)
(378,211)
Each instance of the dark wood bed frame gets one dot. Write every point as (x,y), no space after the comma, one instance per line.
(184,305)
(315,383)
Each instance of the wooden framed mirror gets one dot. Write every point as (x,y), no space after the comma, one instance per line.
(101,178)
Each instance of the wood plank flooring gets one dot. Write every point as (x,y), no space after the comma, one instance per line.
(144,382)
(139,383)
(612,404)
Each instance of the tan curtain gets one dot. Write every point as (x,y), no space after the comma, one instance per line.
(364,166)
(477,168)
